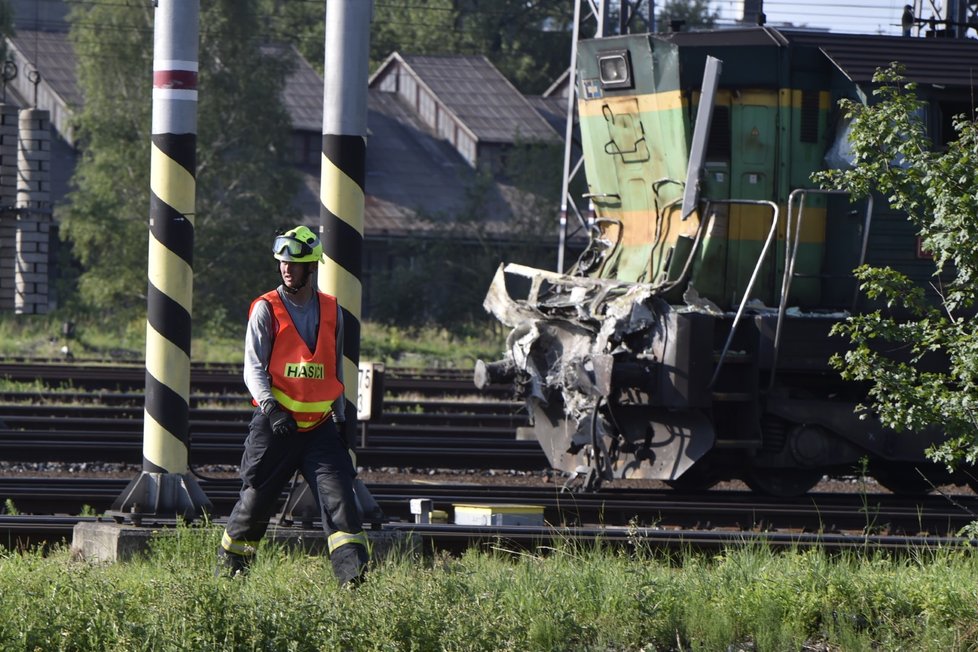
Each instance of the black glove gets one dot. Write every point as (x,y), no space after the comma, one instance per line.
(282,422)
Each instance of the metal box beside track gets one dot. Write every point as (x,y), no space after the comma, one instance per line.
(467,514)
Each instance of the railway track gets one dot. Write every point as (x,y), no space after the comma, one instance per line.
(31,532)
(94,414)
(80,434)
(430,419)
(218,378)
(654,518)
(728,510)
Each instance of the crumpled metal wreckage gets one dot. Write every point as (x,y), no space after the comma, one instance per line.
(612,383)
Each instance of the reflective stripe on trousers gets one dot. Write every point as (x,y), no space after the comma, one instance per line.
(337,539)
(238,547)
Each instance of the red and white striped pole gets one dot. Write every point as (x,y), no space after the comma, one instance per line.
(165,487)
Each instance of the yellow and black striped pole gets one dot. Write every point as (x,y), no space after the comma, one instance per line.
(345,74)
(165,487)
(344,168)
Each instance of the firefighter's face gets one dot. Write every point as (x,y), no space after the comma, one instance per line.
(294,275)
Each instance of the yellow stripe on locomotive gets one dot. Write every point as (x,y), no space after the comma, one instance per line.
(636,141)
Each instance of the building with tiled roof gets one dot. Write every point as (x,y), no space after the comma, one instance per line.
(467,102)
(43,64)
(419,181)
(416,179)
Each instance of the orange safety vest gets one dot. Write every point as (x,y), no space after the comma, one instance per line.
(303,382)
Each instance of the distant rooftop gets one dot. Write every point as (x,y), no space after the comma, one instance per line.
(416,180)
(50,56)
(477,94)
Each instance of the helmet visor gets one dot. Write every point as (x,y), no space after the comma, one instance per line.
(284,244)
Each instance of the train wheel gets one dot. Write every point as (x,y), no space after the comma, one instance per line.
(785,483)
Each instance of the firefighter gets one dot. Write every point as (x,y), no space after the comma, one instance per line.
(293,368)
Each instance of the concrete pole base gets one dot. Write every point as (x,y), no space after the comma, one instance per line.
(161,495)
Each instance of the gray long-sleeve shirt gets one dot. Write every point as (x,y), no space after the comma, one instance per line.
(260,336)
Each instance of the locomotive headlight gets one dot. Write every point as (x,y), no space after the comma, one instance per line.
(615,69)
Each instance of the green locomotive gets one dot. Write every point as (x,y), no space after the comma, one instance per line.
(690,341)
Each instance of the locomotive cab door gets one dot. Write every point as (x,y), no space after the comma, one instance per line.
(754,118)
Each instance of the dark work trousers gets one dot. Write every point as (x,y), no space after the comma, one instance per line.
(267,465)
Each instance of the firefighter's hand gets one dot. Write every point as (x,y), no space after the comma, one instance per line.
(282,422)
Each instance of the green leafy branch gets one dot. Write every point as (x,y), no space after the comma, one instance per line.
(919,359)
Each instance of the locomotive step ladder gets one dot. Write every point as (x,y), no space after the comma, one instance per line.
(735,395)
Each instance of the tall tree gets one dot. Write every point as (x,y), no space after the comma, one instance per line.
(528,40)
(6,26)
(106,219)
(245,178)
(244,181)
(424,27)
(690,13)
(415,27)
(895,345)
(298,23)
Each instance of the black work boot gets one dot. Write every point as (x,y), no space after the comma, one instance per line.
(349,565)
(230,564)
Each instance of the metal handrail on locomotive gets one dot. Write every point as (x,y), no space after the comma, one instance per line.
(690,341)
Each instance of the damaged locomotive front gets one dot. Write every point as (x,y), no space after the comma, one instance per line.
(690,342)
(613,381)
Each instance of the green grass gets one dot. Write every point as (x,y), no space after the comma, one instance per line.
(562,598)
(431,347)
(42,336)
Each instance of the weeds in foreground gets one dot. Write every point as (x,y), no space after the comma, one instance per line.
(566,597)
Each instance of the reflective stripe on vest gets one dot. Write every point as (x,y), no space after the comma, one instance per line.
(304,382)
(337,539)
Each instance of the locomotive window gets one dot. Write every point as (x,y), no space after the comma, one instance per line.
(615,69)
(718,144)
(809,117)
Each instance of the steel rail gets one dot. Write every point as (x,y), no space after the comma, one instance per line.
(221,378)
(396,449)
(32,416)
(740,511)
(423,429)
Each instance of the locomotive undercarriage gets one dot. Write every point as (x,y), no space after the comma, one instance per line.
(619,384)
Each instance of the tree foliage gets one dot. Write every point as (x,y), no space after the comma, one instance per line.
(6,26)
(529,41)
(896,345)
(243,184)
(692,13)
(245,180)
(427,27)
(301,24)
(106,219)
